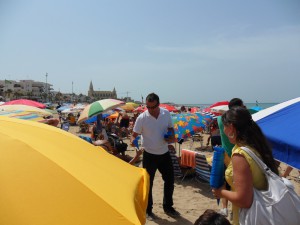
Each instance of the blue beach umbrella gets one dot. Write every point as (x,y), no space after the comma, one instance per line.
(280,124)
(254,109)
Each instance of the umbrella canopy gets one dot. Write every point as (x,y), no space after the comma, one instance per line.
(98,107)
(219,109)
(168,107)
(25,102)
(280,124)
(187,124)
(49,176)
(24,115)
(129,106)
(113,115)
(254,109)
(25,108)
(141,108)
(219,104)
(195,109)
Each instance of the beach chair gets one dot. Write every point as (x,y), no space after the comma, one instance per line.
(188,162)
(65,126)
(176,167)
(203,169)
(197,137)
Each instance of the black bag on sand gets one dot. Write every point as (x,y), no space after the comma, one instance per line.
(121,146)
(117,143)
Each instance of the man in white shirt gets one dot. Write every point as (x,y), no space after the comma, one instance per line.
(153,125)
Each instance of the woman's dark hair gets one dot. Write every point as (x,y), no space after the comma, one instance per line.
(249,133)
(211,217)
(152,97)
(235,102)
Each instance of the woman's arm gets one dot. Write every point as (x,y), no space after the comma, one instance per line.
(243,183)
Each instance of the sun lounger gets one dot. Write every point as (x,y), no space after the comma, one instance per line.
(202,167)
(176,167)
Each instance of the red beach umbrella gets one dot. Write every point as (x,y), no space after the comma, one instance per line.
(26,102)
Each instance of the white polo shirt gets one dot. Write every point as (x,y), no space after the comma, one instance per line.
(153,130)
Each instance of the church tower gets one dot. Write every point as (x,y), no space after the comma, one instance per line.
(114,93)
(91,90)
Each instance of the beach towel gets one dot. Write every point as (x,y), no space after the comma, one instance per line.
(188,158)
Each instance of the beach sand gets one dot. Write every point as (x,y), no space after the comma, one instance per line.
(191,197)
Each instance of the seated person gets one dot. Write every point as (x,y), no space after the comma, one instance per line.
(71,119)
(51,121)
(214,134)
(96,130)
(124,124)
(102,141)
(84,127)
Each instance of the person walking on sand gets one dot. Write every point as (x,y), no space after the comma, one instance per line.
(152,125)
(228,146)
(242,173)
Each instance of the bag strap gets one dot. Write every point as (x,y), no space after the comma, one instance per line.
(259,162)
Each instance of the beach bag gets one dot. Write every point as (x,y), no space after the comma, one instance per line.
(117,143)
(120,146)
(279,204)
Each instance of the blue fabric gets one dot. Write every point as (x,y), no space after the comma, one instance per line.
(94,118)
(217,169)
(282,129)
(88,139)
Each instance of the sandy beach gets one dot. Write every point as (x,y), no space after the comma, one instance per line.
(191,197)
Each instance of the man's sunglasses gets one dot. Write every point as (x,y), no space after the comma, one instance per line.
(152,107)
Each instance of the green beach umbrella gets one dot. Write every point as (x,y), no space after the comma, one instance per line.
(98,107)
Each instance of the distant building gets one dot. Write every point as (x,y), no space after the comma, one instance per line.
(98,95)
(11,89)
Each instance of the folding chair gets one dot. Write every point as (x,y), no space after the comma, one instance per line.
(197,137)
(203,169)
(65,126)
(188,161)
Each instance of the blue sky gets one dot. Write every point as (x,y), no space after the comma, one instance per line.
(188,51)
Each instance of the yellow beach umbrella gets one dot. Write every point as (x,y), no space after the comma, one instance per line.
(49,176)
(26,108)
(129,106)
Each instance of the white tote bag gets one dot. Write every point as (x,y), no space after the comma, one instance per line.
(277,205)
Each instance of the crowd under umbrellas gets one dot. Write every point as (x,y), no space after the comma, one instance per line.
(186,125)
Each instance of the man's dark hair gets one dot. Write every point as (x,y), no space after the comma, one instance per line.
(152,97)
(235,102)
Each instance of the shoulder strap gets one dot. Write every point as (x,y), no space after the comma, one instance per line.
(259,162)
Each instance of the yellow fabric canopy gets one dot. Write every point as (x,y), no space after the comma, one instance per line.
(49,176)
(129,106)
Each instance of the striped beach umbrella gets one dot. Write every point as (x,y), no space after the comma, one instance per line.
(98,107)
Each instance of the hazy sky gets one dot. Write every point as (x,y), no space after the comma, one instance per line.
(187,51)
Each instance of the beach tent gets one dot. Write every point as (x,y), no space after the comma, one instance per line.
(49,176)
(281,124)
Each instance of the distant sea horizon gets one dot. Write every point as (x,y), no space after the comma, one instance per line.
(248,105)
